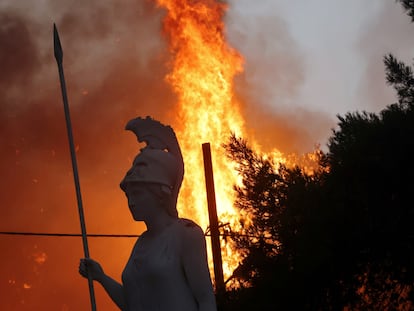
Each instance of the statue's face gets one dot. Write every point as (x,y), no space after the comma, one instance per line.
(142,202)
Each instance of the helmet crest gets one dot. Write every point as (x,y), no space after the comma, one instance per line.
(160,161)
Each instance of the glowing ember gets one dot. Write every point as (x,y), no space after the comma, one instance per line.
(27,286)
(40,257)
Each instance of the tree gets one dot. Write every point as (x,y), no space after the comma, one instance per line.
(408,6)
(401,77)
(285,255)
(343,236)
(369,183)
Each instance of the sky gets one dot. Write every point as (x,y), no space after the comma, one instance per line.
(311,60)
(305,62)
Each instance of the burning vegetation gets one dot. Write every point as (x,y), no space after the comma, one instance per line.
(340,236)
(202,74)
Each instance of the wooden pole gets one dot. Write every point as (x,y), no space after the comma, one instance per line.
(212,213)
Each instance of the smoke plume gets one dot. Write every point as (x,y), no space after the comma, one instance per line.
(115,61)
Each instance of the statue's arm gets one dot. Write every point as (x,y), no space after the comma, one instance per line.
(194,258)
(113,288)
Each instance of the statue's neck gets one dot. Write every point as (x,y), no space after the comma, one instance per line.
(158,223)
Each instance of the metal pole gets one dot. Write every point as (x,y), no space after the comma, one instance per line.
(212,213)
(59,59)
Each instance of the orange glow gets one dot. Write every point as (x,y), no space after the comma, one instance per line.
(38,193)
(40,257)
(27,286)
(203,70)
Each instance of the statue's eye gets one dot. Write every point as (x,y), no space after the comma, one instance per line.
(140,164)
(137,191)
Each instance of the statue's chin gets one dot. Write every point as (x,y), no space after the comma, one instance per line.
(137,217)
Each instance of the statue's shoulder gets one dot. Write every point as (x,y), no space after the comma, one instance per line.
(189,229)
(187,223)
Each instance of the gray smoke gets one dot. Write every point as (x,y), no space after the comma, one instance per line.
(389,31)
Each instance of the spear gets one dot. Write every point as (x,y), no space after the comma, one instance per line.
(59,59)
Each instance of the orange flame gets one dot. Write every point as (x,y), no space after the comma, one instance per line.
(202,74)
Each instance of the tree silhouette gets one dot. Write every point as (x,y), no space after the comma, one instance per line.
(401,77)
(408,6)
(370,160)
(342,236)
(283,251)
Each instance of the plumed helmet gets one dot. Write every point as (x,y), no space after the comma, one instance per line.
(160,162)
(152,166)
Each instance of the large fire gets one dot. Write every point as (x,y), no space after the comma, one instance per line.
(202,74)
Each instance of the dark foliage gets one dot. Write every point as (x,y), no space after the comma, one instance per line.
(408,6)
(401,77)
(286,244)
(370,160)
(342,236)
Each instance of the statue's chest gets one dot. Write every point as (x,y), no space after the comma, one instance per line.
(157,258)
(154,261)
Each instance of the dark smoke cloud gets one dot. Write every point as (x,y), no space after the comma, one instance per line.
(17,64)
(114,60)
(115,63)
(19,57)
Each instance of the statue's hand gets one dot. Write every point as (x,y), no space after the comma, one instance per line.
(93,267)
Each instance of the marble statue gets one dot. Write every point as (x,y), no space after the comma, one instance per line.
(167,269)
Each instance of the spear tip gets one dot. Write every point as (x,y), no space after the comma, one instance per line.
(57,45)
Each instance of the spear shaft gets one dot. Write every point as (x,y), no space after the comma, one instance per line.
(59,59)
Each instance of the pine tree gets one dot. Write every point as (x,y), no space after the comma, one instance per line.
(344,236)
(408,6)
(401,77)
